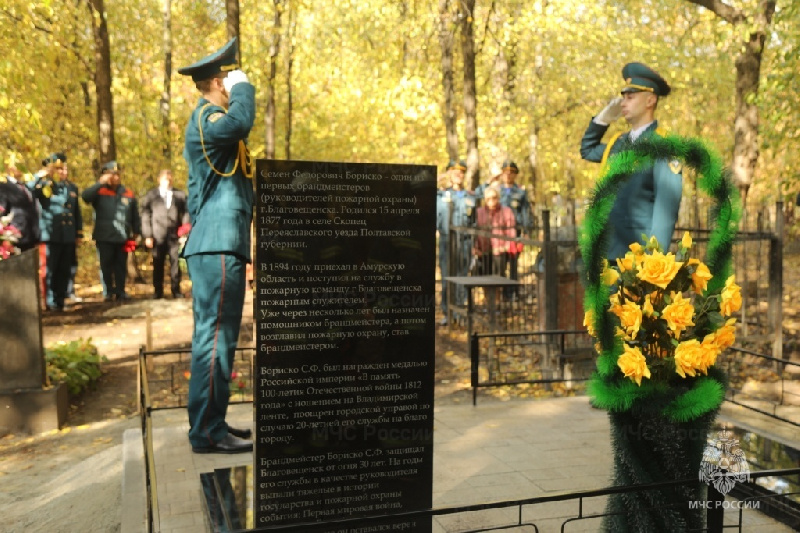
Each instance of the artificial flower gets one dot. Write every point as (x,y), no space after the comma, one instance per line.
(686,241)
(659,269)
(633,364)
(700,278)
(626,263)
(731,298)
(588,321)
(610,276)
(630,317)
(678,313)
(725,336)
(688,358)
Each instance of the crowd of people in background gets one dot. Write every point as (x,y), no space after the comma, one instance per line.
(46,211)
(499,206)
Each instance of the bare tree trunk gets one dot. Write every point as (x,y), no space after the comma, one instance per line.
(537,170)
(446,43)
(102,81)
(274,50)
(289,64)
(504,80)
(232,25)
(748,74)
(166,94)
(470,100)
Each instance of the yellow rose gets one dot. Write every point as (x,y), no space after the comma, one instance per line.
(709,352)
(588,321)
(686,242)
(630,317)
(679,314)
(731,298)
(725,336)
(659,269)
(636,248)
(700,278)
(633,364)
(626,263)
(688,358)
(610,276)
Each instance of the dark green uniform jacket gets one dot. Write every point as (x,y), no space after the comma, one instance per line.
(220,206)
(647,203)
(116,213)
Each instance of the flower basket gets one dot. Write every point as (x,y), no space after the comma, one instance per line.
(657,347)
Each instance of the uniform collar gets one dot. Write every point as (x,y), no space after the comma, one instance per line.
(633,135)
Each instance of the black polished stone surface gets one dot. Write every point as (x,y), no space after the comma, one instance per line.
(344,309)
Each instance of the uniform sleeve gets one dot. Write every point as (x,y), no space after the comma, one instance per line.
(78,217)
(591,146)
(668,186)
(89,194)
(220,128)
(37,186)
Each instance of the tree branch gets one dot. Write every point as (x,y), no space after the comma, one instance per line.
(721,9)
(68,47)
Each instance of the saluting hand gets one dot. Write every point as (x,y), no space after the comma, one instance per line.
(610,113)
(234,77)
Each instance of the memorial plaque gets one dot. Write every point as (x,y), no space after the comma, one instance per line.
(344,314)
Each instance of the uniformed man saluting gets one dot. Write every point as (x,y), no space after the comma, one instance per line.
(220,205)
(649,201)
(61,225)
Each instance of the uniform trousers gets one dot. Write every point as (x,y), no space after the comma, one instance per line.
(113,267)
(60,257)
(218,289)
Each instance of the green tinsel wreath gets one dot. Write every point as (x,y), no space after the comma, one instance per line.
(682,399)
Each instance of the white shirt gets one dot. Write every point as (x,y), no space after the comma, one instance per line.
(635,134)
(166,194)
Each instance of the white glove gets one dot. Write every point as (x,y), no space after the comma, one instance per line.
(609,114)
(234,77)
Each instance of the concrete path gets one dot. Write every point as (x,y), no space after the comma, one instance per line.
(495,451)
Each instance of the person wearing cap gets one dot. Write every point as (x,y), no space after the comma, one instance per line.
(220,204)
(163,213)
(455,207)
(116,225)
(648,202)
(61,226)
(516,198)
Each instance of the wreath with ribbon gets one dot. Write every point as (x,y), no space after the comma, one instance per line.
(683,399)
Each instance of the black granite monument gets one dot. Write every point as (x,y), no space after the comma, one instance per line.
(344,313)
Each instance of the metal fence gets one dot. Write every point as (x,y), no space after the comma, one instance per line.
(550,296)
(529,511)
(529,516)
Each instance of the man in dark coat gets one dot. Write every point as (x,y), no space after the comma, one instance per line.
(61,225)
(648,203)
(17,200)
(220,203)
(163,212)
(116,226)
